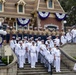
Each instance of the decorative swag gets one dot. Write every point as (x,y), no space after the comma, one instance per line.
(60,16)
(23,21)
(43,15)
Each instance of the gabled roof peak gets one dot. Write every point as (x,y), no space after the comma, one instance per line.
(3,1)
(21,2)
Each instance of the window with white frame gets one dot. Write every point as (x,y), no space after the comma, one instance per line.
(50,4)
(21,6)
(2,5)
(21,9)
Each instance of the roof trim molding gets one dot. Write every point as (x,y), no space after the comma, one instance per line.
(3,1)
(38,4)
(60,6)
(21,2)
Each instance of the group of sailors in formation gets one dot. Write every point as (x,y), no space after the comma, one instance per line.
(29,48)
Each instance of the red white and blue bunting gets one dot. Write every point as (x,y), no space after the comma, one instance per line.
(43,15)
(23,21)
(60,16)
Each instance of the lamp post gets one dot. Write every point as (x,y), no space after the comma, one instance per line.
(65,24)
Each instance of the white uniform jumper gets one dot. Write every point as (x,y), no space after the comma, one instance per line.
(57,42)
(51,43)
(63,39)
(43,52)
(27,52)
(73,31)
(57,58)
(33,55)
(50,59)
(53,53)
(12,44)
(69,37)
(21,54)
(16,50)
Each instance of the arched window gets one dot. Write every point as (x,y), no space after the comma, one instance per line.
(2,5)
(51,26)
(50,3)
(20,6)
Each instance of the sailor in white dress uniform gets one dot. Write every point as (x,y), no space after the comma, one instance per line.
(33,54)
(43,51)
(69,36)
(57,41)
(50,57)
(16,48)
(21,54)
(63,39)
(12,43)
(57,58)
(28,45)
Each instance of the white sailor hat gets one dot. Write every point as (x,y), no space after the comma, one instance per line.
(47,37)
(46,43)
(13,37)
(17,38)
(25,37)
(48,40)
(31,38)
(40,27)
(54,42)
(20,41)
(39,37)
(42,40)
(36,39)
(31,27)
(33,41)
(35,27)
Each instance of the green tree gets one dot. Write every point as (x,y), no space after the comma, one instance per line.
(70,8)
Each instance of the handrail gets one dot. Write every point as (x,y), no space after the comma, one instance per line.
(12,63)
(14,60)
(11,69)
(68,56)
(46,63)
(71,61)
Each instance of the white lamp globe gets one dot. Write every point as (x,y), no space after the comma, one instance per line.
(65,21)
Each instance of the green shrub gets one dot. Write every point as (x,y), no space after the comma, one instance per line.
(74,57)
(4,60)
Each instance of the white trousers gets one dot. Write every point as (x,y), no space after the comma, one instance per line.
(21,61)
(37,56)
(57,62)
(33,60)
